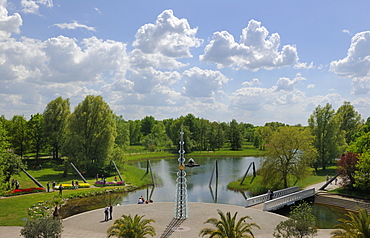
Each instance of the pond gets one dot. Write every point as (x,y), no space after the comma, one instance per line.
(198,189)
(326,216)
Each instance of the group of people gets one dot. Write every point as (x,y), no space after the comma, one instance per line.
(108,210)
(15,184)
(142,201)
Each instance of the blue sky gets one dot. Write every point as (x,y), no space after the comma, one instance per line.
(253,61)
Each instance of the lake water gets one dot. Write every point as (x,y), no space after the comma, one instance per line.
(198,189)
(198,180)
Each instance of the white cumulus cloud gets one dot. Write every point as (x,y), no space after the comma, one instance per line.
(255,50)
(202,83)
(161,43)
(8,24)
(356,64)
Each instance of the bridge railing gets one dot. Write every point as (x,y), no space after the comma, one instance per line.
(288,199)
(265,197)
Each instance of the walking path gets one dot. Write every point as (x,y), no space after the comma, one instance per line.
(91,224)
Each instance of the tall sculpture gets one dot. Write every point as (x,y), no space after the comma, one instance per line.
(181,203)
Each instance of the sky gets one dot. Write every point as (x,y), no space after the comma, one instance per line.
(254,61)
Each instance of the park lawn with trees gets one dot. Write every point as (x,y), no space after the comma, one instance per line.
(91,136)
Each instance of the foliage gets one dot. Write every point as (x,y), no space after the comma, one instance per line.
(55,122)
(289,152)
(347,168)
(228,226)
(18,134)
(362,175)
(131,227)
(10,165)
(36,133)
(349,120)
(357,226)
(236,135)
(328,138)
(299,224)
(91,135)
(42,227)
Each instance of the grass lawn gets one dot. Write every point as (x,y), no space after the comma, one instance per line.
(255,186)
(14,209)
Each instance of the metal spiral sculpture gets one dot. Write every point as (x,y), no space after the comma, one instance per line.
(181,203)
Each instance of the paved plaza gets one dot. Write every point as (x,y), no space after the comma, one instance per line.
(92,225)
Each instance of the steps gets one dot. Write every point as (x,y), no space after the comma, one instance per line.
(341,201)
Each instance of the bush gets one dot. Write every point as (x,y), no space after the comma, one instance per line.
(42,227)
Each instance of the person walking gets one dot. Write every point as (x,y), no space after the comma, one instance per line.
(60,190)
(53,185)
(48,186)
(110,211)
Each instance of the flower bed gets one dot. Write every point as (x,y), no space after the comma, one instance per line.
(25,191)
(101,183)
(69,186)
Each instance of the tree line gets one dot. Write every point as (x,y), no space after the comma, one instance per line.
(92,134)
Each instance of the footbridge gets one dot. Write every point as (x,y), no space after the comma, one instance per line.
(283,197)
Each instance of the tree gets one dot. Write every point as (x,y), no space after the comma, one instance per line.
(349,120)
(55,122)
(347,168)
(18,133)
(329,139)
(128,227)
(123,133)
(42,227)
(91,134)
(289,152)
(228,227)
(36,132)
(236,135)
(300,223)
(362,175)
(357,226)
(147,124)
(10,165)
(135,131)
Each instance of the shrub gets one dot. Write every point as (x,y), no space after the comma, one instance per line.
(43,227)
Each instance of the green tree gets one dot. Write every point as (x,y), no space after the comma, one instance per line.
(123,132)
(128,227)
(18,133)
(300,223)
(349,120)
(91,134)
(228,226)
(10,165)
(147,124)
(55,122)
(135,131)
(289,152)
(362,175)
(42,227)
(36,132)
(357,226)
(236,136)
(329,139)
